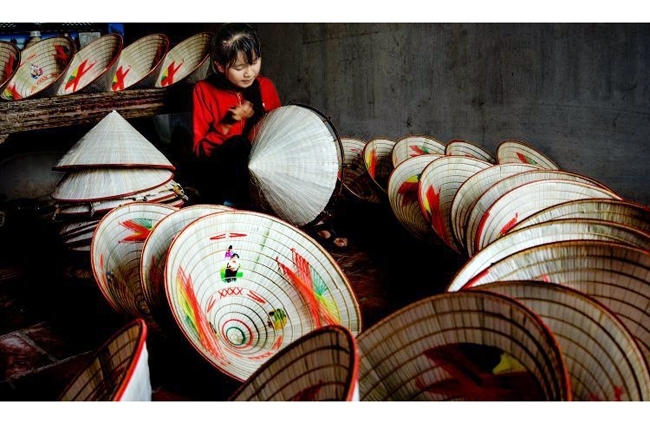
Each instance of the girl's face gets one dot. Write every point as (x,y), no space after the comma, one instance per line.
(241,74)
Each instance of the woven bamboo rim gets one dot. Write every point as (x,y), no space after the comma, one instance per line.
(523,201)
(517,151)
(403,197)
(156,245)
(285,285)
(462,147)
(416,353)
(116,252)
(187,61)
(603,359)
(489,196)
(469,192)
(290,375)
(377,157)
(439,182)
(10,58)
(415,145)
(547,232)
(118,371)
(92,68)
(140,62)
(355,179)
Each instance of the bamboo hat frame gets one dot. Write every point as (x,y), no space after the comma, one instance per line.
(187,61)
(139,62)
(414,145)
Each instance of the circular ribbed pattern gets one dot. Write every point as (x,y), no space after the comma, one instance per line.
(42,66)
(602,357)
(547,232)
(116,250)
(139,62)
(321,365)
(516,151)
(498,189)
(470,191)
(439,182)
(242,285)
(95,185)
(403,196)
(295,162)
(118,371)
(459,147)
(156,245)
(113,143)
(92,68)
(620,211)
(356,179)
(415,145)
(523,201)
(377,157)
(187,61)
(465,346)
(10,58)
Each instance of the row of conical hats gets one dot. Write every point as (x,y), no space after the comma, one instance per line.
(112,164)
(53,66)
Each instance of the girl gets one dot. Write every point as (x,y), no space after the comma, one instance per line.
(225,107)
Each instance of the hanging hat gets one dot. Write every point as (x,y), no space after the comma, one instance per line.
(291,374)
(42,65)
(499,188)
(377,156)
(517,151)
(603,359)
(462,346)
(242,285)
(461,147)
(355,177)
(547,232)
(188,61)
(403,196)
(10,58)
(439,183)
(140,62)
(415,145)
(521,202)
(113,143)
(295,162)
(154,250)
(92,68)
(470,191)
(118,371)
(116,251)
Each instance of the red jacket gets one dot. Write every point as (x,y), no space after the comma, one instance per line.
(211,104)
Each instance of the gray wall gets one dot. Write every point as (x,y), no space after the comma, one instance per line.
(580,93)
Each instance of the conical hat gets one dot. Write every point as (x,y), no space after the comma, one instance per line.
(156,245)
(461,147)
(517,151)
(414,145)
(295,162)
(547,232)
(96,185)
(116,251)
(118,371)
(113,143)
(140,62)
(603,359)
(377,156)
(187,61)
(42,65)
(242,285)
(290,375)
(463,346)
(355,178)
(10,57)
(92,68)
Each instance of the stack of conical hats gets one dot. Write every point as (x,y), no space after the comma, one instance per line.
(111,165)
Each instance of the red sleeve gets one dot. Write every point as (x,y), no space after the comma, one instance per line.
(205,112)
(270,96)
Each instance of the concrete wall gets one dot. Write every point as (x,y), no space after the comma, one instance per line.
(580,93)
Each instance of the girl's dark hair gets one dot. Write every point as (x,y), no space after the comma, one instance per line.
(232,38)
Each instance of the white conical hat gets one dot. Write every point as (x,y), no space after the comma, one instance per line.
(113,143)
(295,162)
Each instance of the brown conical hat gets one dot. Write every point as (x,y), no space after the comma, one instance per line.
(113,143)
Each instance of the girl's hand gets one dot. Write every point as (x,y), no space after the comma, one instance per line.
(242,111)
